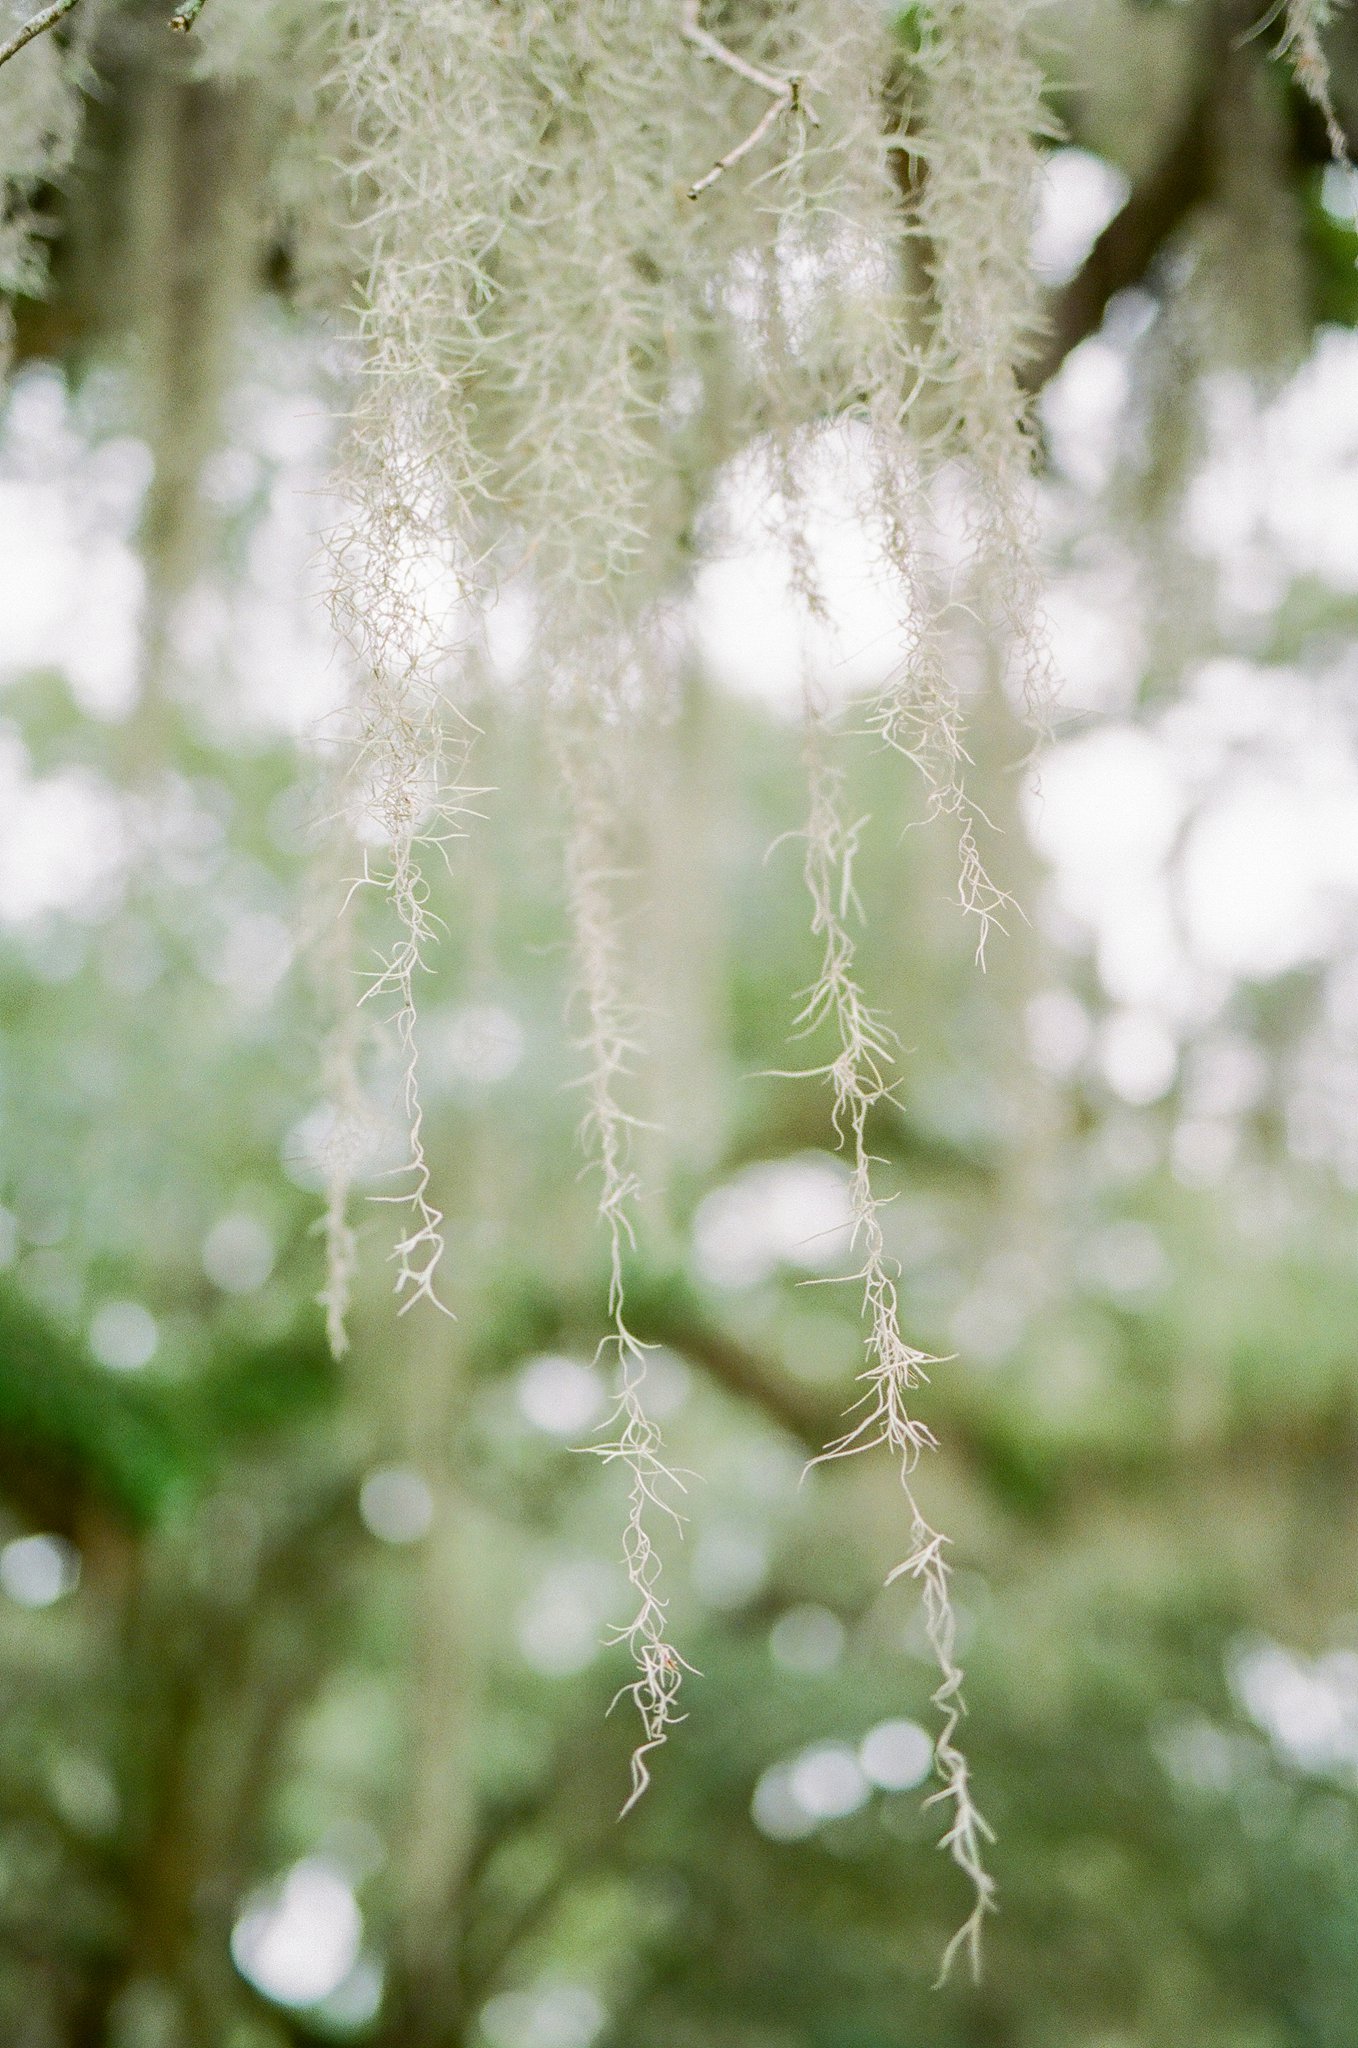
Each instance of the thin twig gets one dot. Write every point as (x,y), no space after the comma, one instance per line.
(785,94)
(711,46)
(35,25)
(733,156)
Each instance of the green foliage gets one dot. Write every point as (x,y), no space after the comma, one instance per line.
(72,1433)
(70,1430)
(1332,253)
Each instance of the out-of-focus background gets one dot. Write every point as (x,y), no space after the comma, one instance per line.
(304,1666)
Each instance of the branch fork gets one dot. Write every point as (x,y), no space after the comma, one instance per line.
(785,94)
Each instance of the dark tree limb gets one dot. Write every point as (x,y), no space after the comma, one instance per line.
(667,1310)
(1129,245)
(1127,250)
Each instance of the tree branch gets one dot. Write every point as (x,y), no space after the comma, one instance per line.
(669,1312)
(1128,246)
(785,94)
(35,26)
